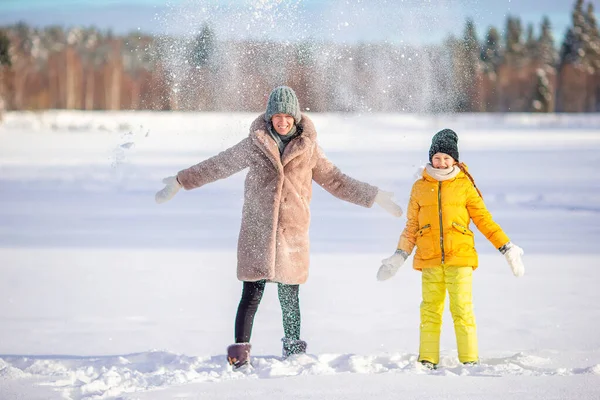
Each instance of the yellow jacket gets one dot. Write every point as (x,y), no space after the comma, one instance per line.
(438,222)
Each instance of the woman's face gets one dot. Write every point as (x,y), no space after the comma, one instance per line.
(282,123)
(442,161)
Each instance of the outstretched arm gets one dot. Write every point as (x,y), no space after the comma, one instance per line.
(483,219)
(326,174)
(220,166)
(408,238)
(223,165)
(492,231)
(391,265)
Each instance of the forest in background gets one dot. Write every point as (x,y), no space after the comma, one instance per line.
(522,69)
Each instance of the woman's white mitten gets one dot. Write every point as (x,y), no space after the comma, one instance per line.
(384,200)
(170,190)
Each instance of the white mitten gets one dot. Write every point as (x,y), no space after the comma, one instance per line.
(170,190)
(384,199)
(390,265)
(513,254)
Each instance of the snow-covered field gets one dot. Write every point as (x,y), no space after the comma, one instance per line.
(104,294)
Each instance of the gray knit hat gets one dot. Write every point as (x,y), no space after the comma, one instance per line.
(283,100)
(445,141)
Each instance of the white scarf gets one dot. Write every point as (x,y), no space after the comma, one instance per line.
(440,174)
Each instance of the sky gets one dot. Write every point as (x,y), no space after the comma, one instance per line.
(407,21)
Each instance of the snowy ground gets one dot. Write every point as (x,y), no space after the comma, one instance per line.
(104,294)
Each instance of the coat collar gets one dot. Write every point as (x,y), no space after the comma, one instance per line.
(297,146)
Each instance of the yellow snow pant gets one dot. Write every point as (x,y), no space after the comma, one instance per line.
(459,282)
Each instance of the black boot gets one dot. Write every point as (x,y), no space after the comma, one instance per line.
(428,364)
(291,347)
(238,354)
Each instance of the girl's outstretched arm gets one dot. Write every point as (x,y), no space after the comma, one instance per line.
(408,238)
(483,219)
(391,265)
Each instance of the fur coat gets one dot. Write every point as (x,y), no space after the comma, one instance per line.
(273,242)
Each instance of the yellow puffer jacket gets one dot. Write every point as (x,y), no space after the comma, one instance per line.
(438,222)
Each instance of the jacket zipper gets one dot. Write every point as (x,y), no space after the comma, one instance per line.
(441,225)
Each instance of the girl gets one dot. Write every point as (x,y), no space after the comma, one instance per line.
(442,203)
(283,158)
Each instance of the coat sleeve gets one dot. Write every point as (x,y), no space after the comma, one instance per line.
(408,238)
(483,219)
(326,174)
(224,164)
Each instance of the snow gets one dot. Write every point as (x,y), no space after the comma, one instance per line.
(104,294)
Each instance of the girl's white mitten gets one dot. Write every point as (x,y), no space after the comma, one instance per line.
(390,265)
(513,254)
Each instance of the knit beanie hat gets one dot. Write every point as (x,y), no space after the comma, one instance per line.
(445,141)
(283,100)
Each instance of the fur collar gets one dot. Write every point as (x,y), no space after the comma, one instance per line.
(297,146)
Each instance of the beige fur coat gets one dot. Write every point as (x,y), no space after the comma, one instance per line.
(273,242)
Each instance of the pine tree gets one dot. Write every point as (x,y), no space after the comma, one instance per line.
(4,49)
(531,44)
(4,60)
(470,43)
(204,47)
(593,44)
(514,44)
(569,50)
(572,50)
(542,96)
(467,66)
(546,52)
(579,22)
(491,53)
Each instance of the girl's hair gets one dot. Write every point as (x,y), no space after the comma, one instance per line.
(463,169)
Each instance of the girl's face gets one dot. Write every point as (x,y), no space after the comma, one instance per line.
(282,123)
(442,161)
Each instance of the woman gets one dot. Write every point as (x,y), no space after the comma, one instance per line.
(283,158)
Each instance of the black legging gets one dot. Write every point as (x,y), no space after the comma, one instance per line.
(252,294)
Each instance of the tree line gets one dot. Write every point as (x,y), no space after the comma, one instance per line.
(519,70)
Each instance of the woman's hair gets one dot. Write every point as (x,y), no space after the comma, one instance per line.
(463,169)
